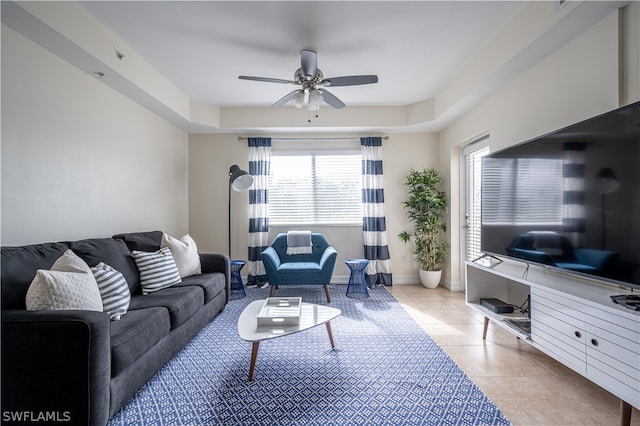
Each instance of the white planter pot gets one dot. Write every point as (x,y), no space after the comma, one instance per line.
(430,279)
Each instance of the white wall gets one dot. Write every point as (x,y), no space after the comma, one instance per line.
(211,155)
(580,80)
(80,160)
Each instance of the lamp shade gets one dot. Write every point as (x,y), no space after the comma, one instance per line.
(315,100)
(239,179)
(605,181)
(298,99)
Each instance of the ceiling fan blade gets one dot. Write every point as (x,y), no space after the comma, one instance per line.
(286,98)
(351,80)
(331,99)
(309,63)
(266,79)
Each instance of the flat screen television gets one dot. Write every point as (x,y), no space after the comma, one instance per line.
(569,199)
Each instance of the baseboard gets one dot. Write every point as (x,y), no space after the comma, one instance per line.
(340,279)
(405,279)
(397,279)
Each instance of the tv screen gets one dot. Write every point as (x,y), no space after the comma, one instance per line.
(569,199)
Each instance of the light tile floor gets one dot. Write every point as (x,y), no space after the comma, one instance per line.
(529,387)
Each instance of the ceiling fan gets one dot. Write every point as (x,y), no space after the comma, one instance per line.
(313,84)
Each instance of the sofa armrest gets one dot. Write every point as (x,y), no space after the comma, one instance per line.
(216,262)
(56,363)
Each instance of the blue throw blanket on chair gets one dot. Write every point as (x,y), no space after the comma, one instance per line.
(299,242)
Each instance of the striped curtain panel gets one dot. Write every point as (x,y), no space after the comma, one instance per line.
(573,211)
(259,168)
(376,249)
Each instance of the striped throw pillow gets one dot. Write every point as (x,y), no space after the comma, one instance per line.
(157,269)
(113,290)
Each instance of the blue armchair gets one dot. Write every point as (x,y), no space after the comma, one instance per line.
(299,269)
(551,248)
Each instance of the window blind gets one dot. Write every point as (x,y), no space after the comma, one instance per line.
(320,189)
(522,191)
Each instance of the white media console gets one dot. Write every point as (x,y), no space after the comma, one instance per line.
(573,320)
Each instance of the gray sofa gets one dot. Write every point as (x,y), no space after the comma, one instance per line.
(78,367)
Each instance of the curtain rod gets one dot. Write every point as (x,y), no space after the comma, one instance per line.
(386,138)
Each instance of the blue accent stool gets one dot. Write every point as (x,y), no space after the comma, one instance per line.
(357,287)
(237,286)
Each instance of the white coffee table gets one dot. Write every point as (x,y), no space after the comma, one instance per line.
(311,315)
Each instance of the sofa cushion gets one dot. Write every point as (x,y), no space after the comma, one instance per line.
(212,284)
(68,285)
(181,302)
(113,290)
(135,334)
(19,266)
(142,241)
(185,253)
(114,253)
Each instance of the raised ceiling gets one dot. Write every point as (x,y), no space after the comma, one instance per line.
(435,59)
(202,47)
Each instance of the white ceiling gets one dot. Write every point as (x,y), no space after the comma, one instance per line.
(414,47)
(435,60)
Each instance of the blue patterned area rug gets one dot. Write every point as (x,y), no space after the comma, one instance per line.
(385,370)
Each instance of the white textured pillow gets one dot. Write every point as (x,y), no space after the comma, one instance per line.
(185,253)
(157,269)
(68,285)
(114,290)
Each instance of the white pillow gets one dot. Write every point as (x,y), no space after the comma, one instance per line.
(185,253)
(68,285)
(157,269)
(114,290)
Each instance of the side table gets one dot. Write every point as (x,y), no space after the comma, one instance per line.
(357,287)
(237,286)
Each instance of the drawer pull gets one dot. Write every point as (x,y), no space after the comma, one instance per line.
(594,342)
(578,334)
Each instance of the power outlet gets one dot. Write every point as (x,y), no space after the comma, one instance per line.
(403,258)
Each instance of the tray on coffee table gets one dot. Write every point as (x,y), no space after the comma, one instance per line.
(280,311)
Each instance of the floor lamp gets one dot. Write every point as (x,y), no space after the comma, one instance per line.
(605,183)
(239,181)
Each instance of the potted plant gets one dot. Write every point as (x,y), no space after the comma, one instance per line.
(426,205)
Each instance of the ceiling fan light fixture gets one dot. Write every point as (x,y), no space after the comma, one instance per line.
(298,99)
(315,99)
(310,78)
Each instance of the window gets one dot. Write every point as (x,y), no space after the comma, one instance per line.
(315,189)
(522,191)
(473,159)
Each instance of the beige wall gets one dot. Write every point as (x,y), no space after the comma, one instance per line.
(211,155)
(580,80)
(78,159)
